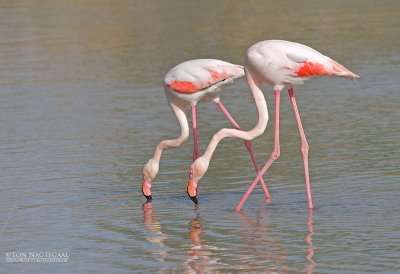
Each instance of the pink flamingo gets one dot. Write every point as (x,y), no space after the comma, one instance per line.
(281,64)
(188,83)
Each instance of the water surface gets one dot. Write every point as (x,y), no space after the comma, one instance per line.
(82,110)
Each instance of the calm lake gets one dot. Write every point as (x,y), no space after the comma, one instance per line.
(82,109)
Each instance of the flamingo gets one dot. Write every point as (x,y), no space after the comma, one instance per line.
(187,84)
(280,64)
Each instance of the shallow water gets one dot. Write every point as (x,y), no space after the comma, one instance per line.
(82,109)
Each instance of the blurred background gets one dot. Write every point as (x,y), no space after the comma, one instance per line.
(82,109)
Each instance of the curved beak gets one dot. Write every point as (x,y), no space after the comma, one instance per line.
(146,189)
(191,188)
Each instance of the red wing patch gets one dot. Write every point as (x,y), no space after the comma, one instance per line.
(184,87)
(310,68)
(190,88)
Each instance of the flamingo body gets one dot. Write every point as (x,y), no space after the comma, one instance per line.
(283,63)
(200,79)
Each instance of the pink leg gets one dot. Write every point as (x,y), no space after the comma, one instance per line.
(304,146)
(248,146)
(195,134)
(274,155)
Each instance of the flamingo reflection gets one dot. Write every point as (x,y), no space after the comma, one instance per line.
(197,259)
(310,268)
(200,259)
(263,243)
(154,228)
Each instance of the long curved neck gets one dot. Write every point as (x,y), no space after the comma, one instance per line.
(179,111)
(262,110)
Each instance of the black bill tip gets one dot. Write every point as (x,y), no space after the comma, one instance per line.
(194,199)
(148,197)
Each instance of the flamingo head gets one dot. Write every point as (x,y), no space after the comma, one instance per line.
(196,172)
(150,171)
